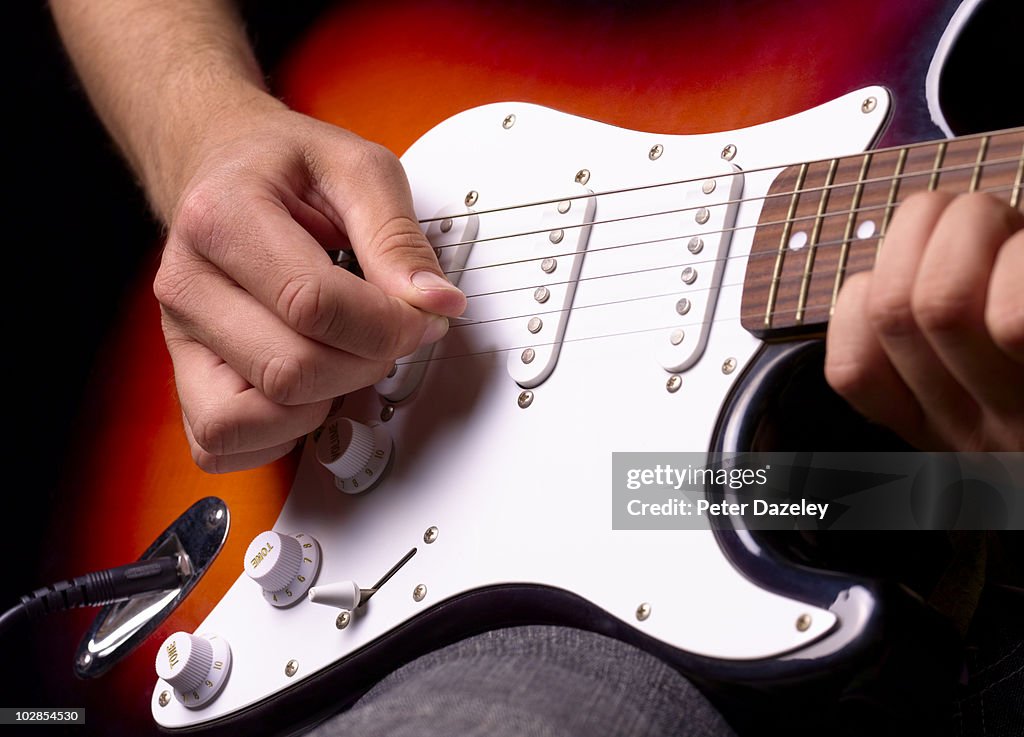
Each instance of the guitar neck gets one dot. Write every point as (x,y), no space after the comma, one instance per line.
(824,220)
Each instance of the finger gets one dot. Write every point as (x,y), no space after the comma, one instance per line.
(950,294)
(945,403)
(288,368)
(1004,313)
(237,462)
(225,414)
(256,241)
(859,370)
(371,195)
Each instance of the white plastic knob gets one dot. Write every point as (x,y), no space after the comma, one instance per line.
(355,453)
(272,560)
(196,667)
(284,566)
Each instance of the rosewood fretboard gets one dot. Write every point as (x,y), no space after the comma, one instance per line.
(826,219)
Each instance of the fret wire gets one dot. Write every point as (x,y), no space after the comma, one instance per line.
(1015,195)
(978,164)
(940,154)
(773,292)
(844,250)
(812,247)
(893,188)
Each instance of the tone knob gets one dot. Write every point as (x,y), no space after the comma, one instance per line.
(355,453)
(195,666)
(284,566)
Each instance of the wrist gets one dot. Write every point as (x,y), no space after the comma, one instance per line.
(181,141)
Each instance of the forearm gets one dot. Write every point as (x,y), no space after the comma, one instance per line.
(163,77)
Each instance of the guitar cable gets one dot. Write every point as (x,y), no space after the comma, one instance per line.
(98,589)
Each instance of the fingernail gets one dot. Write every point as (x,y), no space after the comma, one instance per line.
(429,281)
(437,328)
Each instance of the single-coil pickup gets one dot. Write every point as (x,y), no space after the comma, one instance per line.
(558,250)
(451,232)
(707,215)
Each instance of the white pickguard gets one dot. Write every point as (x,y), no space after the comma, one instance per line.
(524,495)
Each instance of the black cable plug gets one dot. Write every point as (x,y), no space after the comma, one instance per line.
(98,589)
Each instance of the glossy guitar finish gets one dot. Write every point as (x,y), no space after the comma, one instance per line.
(392,75)
(520,494)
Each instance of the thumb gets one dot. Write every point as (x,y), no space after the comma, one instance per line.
(386,237)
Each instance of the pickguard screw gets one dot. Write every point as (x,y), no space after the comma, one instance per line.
(673,383)
(702,216)
(508,122)
(643,611)
(708,186)
(343,619)
(868,105)
(683,306)
(564,206)
(430,535)
(528,355)
(446,225)
(548,265)
(291,668)
(471,198)
(728,365)
(525,399)
(729,152)
(419,592)
(656,151)
(386,413)
(676,337)
(541,294)
(695,246)
(534,325)
(583,176)
(803,622)
(165,698)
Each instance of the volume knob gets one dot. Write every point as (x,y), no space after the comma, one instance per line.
(283,565)
(195,666)
(355,453)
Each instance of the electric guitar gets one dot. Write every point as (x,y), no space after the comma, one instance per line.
(640,208)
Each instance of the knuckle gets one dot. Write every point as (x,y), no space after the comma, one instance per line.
(377,159)
(891,314)
(174,284)
(941,308)
(213,434)
(201,212)
(1006,326)
(401,239)
(283,379)
(303,305)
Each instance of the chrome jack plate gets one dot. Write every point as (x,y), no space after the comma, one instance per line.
(197,537)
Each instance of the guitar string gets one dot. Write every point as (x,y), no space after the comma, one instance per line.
(767,196)
(676,294)
(873,152)
(773,253)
